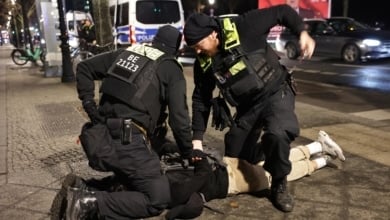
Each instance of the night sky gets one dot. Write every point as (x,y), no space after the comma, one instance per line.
(368,11)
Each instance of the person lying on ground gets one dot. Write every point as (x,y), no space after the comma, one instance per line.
(210,179)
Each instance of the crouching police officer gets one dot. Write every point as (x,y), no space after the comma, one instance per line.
(233,55)
(138,82)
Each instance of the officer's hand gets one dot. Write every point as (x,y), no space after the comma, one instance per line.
(186,157)
(91,109)
(160,131)
(192,156)
(307,45)
(222,117)
(197,155)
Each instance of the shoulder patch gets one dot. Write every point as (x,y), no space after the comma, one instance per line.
(143,50)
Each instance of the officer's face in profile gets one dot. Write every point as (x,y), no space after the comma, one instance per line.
(208,45)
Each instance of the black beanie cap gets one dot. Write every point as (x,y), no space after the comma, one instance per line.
(167,39)
(197,27)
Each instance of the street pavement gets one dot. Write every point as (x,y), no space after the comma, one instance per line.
(41,117)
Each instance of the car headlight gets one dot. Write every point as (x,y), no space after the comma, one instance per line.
(371,42)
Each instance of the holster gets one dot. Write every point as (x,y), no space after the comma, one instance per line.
(123,128)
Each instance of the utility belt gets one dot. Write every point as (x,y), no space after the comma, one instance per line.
(124,129)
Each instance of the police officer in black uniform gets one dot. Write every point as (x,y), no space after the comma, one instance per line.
(233,54)
(139,81)
(87,31)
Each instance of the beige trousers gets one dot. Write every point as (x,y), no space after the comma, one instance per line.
(245,177)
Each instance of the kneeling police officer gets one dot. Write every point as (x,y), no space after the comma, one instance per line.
(138,82)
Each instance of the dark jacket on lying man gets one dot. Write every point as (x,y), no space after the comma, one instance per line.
(191,187)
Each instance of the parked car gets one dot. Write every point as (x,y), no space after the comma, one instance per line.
(347,24)
(352,43)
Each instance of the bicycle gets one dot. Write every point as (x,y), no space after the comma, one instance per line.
(21,56)
(89,50)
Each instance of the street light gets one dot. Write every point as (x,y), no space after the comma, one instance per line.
(67,71)
(16,31)
(211,3)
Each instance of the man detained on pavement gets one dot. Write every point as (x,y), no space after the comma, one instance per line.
(210,178)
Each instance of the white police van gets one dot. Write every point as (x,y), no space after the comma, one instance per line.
(137,21)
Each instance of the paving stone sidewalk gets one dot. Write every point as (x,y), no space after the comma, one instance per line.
(41,117)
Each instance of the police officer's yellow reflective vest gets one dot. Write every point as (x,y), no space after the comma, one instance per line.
(133,80)
(238,74)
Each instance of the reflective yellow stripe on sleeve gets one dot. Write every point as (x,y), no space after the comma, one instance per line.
(236,68)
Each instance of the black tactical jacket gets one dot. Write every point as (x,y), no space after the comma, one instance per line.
(253,28)
(173,95)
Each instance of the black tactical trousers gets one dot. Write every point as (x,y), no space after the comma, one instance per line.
(148,192)
(275,116)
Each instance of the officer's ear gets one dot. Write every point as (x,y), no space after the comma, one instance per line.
(213,35)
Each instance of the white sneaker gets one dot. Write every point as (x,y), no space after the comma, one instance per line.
(329,146)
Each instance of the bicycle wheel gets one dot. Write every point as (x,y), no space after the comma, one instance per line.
(78,57)
(75,61)
(86,54)
(18,57)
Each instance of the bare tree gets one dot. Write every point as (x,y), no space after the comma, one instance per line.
(101,15)
(345,7)
(23,12)
(5,6)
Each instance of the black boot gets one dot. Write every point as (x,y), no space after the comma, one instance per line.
(82,205)
(280,197)
(58,207)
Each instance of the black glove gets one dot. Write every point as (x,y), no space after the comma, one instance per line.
(160,131)
(199,153)
(222,117)
(186,154)
(91,109)
(187,160)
